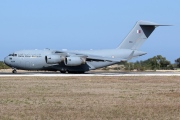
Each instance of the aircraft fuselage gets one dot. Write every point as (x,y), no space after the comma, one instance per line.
(36,59)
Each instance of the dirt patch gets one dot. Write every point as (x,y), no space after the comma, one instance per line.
(89,98)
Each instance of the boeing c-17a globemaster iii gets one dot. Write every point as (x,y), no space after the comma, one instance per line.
(82,61)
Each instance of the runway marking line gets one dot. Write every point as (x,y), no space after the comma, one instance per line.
(68,75)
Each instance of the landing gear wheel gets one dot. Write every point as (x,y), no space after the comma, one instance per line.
(62,71)
(14,71)
(76,72)
(81,72)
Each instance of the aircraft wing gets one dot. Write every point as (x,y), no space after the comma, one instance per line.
(90,57)
(99,58)
(108,59)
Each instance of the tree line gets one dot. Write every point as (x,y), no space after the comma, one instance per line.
(155,63)
(3,66)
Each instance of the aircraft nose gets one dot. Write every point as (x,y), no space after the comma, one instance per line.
(6,61)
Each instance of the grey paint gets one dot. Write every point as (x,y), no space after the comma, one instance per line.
(81,61)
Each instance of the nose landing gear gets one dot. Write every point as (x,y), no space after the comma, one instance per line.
(14,71)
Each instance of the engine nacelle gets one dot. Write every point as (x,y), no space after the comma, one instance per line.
(74,61)
(53,59)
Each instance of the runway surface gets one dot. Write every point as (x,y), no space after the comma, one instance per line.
(102,73)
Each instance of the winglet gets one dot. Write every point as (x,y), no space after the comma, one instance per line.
(130,56)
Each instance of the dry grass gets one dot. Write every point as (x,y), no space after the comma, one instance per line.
(55,98)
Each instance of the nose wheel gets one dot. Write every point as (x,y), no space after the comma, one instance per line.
(14,71)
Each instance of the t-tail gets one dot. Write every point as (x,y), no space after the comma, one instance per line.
(140,32)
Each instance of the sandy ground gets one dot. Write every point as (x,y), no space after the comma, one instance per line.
(98,70)
(40,98)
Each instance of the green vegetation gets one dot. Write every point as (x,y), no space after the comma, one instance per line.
(155,63)
(3,66)
(177,61)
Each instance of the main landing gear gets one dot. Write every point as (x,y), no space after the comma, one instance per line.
(73,72)
(63,70)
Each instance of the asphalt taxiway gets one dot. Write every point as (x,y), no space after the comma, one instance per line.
(57,74)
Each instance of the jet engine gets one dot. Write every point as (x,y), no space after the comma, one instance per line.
(53,59)
(74,61)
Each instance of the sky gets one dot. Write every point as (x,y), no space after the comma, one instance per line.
(87,24)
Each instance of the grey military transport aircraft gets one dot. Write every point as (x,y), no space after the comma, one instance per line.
(82,61)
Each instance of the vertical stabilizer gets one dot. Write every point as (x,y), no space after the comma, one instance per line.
(140,32)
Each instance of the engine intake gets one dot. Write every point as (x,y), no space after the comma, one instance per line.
(74,61)
(53,59)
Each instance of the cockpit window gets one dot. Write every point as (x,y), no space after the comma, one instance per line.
(13,55)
